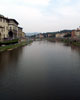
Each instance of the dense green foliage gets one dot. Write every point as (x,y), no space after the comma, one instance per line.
(13,46)
(7,42)
(66,41)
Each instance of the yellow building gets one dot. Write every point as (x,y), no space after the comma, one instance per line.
(58,35)
(23,35)
(20,30)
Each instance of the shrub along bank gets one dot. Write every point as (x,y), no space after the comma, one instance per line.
(8,42)
(66,40)
(71,42)
(13,46)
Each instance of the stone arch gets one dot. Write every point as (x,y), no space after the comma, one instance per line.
(10,34)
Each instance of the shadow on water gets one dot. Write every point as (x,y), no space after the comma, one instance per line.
(10,58)
(73,48)
(77,49)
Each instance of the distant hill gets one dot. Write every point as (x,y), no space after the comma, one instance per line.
(62,31)
(30,34)
(46,33)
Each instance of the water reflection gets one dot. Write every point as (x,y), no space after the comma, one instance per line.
(41,71)
(73,48)
(10,58)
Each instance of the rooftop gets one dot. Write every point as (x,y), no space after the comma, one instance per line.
(9,19)
(20,27)
(13,20)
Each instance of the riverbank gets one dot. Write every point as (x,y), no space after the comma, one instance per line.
(71,42)
(66,41)
(14,46)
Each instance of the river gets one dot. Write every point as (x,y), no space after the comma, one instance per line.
(40,71)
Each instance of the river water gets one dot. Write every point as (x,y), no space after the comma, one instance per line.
(40,71)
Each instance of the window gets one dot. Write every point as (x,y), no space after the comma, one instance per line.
(3,20)
(0,19)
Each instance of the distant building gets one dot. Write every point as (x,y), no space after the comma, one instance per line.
(49,35)
(60,35)
(41,36)
(76,34)
(57,35)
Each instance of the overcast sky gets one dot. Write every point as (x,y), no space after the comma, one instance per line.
(43,15)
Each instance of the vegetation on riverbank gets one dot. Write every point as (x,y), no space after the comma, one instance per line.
(7,42)
(13,46)
(67,41)
(51,39)
(71,42)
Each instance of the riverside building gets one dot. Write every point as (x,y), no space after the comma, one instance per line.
(9,28)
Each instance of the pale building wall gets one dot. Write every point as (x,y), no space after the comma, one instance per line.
(7,26)
(13,26)
(1,33)
(4,30)
(60,35)
(20,32)
(57,35)
(77,34)
(23,34)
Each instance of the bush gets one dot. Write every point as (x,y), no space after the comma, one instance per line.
(7,42)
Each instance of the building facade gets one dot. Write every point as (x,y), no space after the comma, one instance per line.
(23,35)
(9,28)
(13,28)
(3,27)
(20,30)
